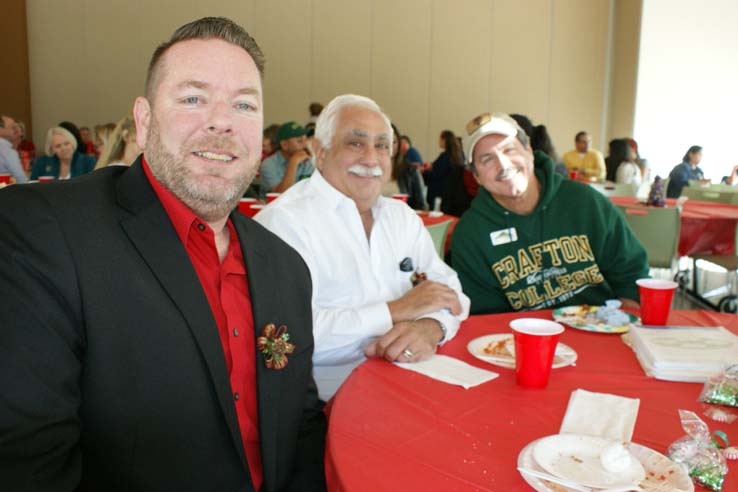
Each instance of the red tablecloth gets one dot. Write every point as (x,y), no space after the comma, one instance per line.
(706,227)
(428,220)
(393,429)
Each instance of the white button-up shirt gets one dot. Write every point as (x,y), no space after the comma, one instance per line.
(354,279)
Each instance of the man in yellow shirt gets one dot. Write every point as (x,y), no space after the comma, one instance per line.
(588,163)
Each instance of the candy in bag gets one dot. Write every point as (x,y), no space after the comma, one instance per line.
(722,389)
(699,453)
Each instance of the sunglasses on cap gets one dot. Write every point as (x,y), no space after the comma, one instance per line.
(478,122)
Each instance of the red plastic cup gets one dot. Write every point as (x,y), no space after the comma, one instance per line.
(5,178)
(573,174)
(400,196)
(535,346)
(244,206)
(272,196)
(43,179)
(656,296)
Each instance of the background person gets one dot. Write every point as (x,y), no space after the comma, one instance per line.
(587,162)
(72,128)
(404,178)
(640,161)
(62,161)
(540,140)
(269,141)
(10,161)
(314,109)
(26,149)
(439,172)
(89,145)
(102,134)
(627,171)
(121,148)
(686,171)
(289,164)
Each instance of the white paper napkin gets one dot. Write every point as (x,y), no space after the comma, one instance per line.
(600,415)
(450,370)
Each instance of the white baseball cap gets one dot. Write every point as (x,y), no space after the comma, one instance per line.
(487,124)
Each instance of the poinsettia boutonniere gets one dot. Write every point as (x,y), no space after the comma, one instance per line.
(274,344)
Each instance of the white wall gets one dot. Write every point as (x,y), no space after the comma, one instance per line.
(687,83)
(432,64)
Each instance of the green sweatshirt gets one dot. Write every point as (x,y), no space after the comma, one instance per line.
(574,248)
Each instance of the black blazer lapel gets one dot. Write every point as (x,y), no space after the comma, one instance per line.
(264,301)
(153,235)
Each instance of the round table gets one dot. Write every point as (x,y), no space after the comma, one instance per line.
(393,429)
(707,228)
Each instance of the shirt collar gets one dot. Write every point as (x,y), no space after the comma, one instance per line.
(180,214)
(332,199)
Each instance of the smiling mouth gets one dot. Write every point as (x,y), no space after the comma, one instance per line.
(215,156)
(507,174)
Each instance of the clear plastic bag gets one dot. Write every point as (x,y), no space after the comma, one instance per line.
(699,453)
(722,389)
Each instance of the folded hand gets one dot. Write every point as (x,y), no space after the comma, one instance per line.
(407,341)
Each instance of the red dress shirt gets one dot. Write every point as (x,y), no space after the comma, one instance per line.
(227,291)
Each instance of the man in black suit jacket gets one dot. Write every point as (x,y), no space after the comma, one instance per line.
(113,366)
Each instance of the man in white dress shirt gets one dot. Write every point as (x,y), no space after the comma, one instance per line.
(379,288)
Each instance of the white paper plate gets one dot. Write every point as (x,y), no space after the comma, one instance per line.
(563,357)
(662,474)
(571,316)
(577,457)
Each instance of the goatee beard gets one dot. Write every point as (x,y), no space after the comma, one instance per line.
(208,202)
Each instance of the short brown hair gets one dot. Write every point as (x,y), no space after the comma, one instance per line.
(205,28)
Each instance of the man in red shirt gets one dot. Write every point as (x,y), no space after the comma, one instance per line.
(151,337)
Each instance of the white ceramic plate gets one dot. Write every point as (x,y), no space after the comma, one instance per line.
(572,316)
(564,356)
(662,474)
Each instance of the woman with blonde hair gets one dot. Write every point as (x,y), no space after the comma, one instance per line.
(102,134)
(62,159)
(121,148)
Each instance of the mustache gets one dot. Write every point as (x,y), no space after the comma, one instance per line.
(366,172)
(222,144)
(506,173)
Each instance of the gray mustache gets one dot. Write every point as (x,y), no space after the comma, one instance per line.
(366,172)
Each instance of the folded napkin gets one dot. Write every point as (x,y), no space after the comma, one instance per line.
(450,370)
(600,415)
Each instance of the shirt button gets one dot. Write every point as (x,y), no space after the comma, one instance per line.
(235,396)
(235,332)
(201,227)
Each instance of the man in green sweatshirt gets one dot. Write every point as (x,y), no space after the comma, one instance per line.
(532,240)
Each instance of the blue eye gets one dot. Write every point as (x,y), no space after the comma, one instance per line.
(245,106)
(191,100)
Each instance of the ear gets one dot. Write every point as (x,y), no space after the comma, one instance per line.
(320,153)
(142,117)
